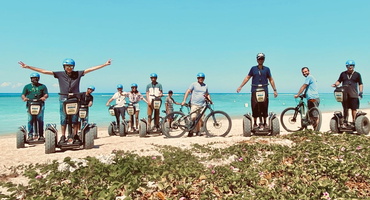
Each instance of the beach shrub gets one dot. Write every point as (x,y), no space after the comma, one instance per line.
(316,166)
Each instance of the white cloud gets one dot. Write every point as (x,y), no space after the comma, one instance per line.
(5,84)
(17,85)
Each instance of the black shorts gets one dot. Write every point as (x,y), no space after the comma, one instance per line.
(351,103)
(259,109)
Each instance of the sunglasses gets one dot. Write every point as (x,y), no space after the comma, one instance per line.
(69,66)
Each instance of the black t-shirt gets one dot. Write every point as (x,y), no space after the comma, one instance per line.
(85,99)
(351,82)
(68,84)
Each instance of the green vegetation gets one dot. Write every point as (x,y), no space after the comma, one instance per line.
(315,166)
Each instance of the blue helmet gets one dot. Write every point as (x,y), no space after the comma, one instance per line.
(91,87)
(33,75)
(153,75)
(133,85)
(69,61)
(201,75)
(350,62)
(119,86)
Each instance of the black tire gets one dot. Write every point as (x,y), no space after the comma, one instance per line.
(21,138)
(89,139)
(50,142)
(177,128)
(122,130)
(290,120)
(217,124)
(142,129)
(275,127)
(334,125)
(313,112)
(110,130)
(247,127)
(362,125)
(95,132)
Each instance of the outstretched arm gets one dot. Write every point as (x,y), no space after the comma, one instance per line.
(35,68)
(97,67)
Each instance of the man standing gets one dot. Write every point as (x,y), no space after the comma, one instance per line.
(69,82)
(311,93)
(352,82)
(38,91)
(260,75)
(199,91)
(153,90)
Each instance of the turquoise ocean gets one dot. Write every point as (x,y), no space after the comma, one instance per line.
(13,109)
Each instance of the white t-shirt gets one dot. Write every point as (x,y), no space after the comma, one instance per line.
(120,98)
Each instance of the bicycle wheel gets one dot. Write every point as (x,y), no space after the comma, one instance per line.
(217,123)
(291,120)
(315,116)
(177,128)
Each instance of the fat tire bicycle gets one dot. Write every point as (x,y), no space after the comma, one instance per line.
(216,123)
(296,118)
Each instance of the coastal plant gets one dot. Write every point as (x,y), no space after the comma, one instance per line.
(315,166)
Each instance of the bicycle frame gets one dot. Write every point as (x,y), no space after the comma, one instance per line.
(199,116)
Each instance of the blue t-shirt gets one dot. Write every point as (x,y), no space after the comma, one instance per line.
(312,92)
(197,93)
(259,76)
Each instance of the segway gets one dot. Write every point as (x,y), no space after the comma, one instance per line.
(83,113)
(70,108)
(115,128)
(131,110)
(34,108)
(338,123)
(273,127)
(143,124)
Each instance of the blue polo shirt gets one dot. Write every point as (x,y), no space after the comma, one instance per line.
(259,76)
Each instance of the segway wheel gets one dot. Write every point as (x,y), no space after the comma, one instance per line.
(166,128)
(50,142)
(275,127)
(334,125)
(142,129)
(89,139)
(247,127)
(110,130)
(21,138)
(122,130)
(362,125)
(95,132)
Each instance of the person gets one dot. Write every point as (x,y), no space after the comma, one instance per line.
(35,90)
(135,97)
(352,82)
(153,90)
(260,75)
(169,104)
(120,107)
(199,93)
(69,82)
(87,99)
(311,93)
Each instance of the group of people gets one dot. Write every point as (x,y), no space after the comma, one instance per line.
(69,82)
(261,75)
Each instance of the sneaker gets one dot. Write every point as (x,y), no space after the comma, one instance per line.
(261,127)
(190,134)
(76,140)
(255,126)
(41,138)
(343,126)
(62,139)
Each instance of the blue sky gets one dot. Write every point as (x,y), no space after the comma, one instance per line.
(178,39)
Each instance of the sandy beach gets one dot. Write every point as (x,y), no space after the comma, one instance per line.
(11,156)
